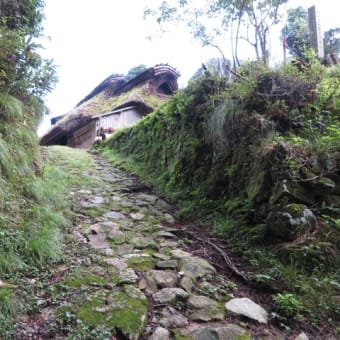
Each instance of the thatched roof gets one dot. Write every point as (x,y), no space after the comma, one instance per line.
(146,91)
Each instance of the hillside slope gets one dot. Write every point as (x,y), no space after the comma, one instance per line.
(258,160)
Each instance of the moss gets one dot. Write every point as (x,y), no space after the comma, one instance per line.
(76,280)
(62,311)
(95,211)
(123,312)
(243,337)
(178,335)
(142,263)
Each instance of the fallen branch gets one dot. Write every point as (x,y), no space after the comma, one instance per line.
(227,259)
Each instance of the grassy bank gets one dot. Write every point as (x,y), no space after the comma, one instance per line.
(258,160)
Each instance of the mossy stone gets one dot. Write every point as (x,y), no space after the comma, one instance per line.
(290,221)
(76,280)
(142,263)
(125,312)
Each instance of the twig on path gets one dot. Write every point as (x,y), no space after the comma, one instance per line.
(226,258)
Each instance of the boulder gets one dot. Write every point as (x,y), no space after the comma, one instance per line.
(201,308)
(248,308)
(196,267)
(291,220)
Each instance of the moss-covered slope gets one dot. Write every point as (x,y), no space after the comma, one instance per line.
(258,159)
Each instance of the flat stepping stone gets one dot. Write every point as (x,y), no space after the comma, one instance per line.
(124,249)
(116,263)
(201,308)
(147,197)
(179,254)
(98,241)
(196,267)
(114,215)
(127,275)
(125,310)
(170,295)
(160,279)
(248,308)
(141,242)
(165,234)
(161,256)
(214,332)
(167,264)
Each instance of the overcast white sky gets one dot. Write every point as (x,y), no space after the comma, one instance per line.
(91,39)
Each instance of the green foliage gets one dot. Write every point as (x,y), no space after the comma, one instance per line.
(135,71)
(296,32)
(332,41)
(230,14)
(288,304)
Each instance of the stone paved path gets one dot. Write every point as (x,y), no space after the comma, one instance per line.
(130,277)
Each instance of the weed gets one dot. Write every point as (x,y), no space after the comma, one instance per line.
(288,304)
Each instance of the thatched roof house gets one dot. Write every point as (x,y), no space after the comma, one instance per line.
(115,103)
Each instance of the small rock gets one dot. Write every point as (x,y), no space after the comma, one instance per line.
(127,275)
(109,300)
(160,256)
(137,216)
(164,234)
(164,205)
(117,263)
(169,218)
(117,236)
(97,200)
(109,286)
(179,254)
(248,308)
(124,249)
(202,308)
(160,333)
(302,336)
(186,283)
(213,331)
(141,242)
(169,244)
(114,214)
(160,279)
(107,251)
(148,198)
(134,292)
(142,284)
(170,295)
(86,192)
(98,241)
(171,318)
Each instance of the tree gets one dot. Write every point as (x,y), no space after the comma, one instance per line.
(135,71)
(249,20)
(24,74)
(296,32)
(332,41)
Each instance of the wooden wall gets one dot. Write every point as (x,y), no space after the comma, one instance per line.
(84,137)
(119,120)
